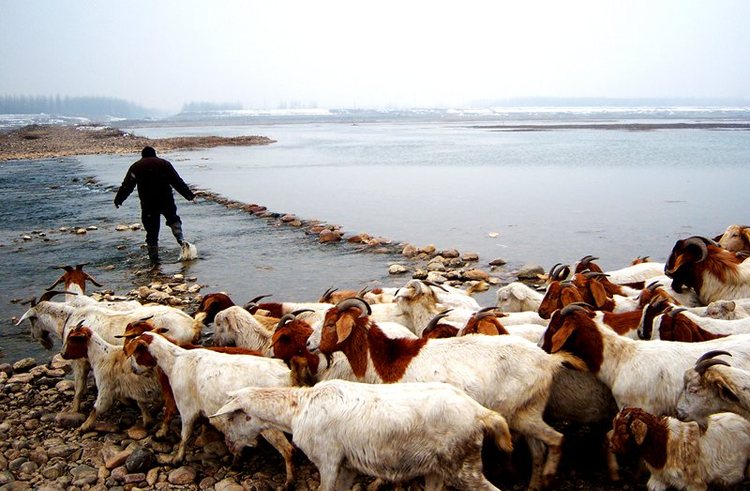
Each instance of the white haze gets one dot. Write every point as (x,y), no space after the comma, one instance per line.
(161,54)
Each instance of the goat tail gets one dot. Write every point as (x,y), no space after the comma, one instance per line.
(496,426)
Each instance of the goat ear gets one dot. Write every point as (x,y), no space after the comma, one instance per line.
(562,335)
(344,328)
(599,293)
(724,387)
(639,430)
(745,232)
(570,295)
(232,406)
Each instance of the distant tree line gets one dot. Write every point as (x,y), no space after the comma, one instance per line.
(90,107)
(201,106)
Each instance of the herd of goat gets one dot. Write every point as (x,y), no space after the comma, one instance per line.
(400,383)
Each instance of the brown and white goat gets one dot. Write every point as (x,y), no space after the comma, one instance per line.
(115,381)
(74,280)
(712,271)
(681,455)
(505,373)
(646,374)
(202,379)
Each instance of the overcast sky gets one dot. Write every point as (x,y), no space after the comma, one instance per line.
(382,53)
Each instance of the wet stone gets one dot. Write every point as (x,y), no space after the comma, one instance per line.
(24,365)
(140,460)
(69,420)
(182,475)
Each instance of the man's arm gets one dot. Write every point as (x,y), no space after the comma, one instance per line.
(127,186)
(178,184)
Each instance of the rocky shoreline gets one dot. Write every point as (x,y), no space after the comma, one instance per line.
(41,448)
(51,141)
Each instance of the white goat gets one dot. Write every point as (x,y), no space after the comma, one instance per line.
(115,380)
(235,326)
(505,373)
(518,297)
(636,273)
(682,455)
(201,381)
(47,318)
(713,386)
(726,309)
(394,432)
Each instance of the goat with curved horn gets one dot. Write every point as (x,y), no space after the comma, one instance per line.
(432,283)
(712,354)
(706,364)
(434,321)
(355,302)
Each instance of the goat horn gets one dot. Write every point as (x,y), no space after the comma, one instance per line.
(712,354)
(700,242)
(355,302)
(676,311)
(433,322)
(258,298)
(327,294)
(80,323)
(66,268)
(284,319)
(362,292)
(595,274)
(144,319)
(431,283)
(571,307)
(587,259)
(485,312)
(654,285)
(552,269)
(705,364)
(301,311)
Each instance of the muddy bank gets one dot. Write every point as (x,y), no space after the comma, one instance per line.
(48,141)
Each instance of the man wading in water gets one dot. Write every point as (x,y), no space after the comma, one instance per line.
(155,178)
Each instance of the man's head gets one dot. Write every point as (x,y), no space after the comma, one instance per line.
(148,152)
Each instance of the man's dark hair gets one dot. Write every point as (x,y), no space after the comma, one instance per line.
(148,152)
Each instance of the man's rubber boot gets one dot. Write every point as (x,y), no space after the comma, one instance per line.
(177,232)
(153,254)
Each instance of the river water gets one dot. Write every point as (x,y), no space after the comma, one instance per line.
(528,197)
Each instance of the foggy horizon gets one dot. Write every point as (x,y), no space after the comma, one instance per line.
(337,54)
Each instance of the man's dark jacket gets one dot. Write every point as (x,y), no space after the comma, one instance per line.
(155,177)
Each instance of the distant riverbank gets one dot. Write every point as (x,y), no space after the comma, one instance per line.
(51,141)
